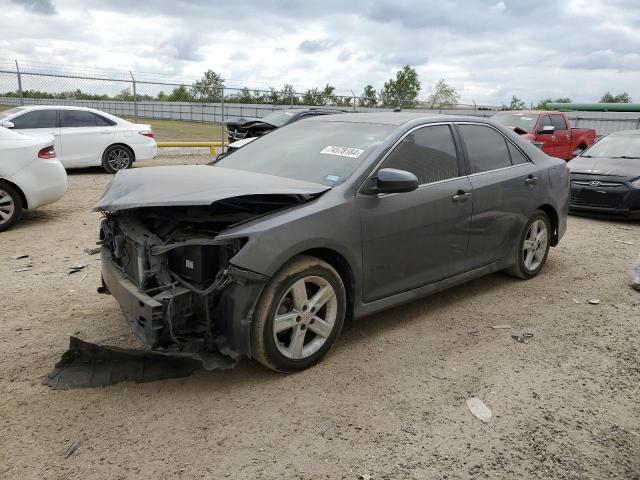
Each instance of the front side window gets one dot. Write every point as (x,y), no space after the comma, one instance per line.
(486,148)
(77,118)
(558,122)
(429,153)
(545,122)
(36,119)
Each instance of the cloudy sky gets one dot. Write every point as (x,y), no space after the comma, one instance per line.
(489,50)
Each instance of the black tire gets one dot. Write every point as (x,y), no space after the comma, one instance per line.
(117,157)
(520,268)
(269,346)
(11,206)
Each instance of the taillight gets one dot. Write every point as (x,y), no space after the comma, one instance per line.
(47,152)
(147,133)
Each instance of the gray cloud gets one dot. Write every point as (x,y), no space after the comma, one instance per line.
(40,7)
(313,46)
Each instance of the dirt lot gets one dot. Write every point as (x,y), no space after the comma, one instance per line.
(389,401)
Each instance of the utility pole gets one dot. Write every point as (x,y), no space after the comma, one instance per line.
(135,97)
(19,84)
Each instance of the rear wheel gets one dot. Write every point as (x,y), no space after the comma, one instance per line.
(117,157)
(533,247)
(299,315)
(10,206)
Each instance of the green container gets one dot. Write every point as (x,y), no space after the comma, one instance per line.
(596,107)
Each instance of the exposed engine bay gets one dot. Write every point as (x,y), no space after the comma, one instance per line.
(174,279)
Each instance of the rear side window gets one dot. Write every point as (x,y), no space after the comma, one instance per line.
(486,148)
(517,157)
(102,121)
(78,118)
(429,153)
(545,122)
(558,122)
(36,119)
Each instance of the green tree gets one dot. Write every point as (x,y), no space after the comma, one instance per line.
(125,95)
(403,90)
(443,95)
(619,98)
(180,94)
(208,88)
(288,95)
(313,96)
(542,104)
(369,97)
(516,103)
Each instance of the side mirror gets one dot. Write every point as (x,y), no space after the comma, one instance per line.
(547,130)
(391,180)
(576,152)
(8,124)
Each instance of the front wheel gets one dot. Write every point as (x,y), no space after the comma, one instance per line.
(117,157)
(10,206)
(299,315)
(533,247)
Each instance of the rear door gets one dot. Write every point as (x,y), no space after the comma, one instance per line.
(507,188)
(84,137)
(40,122)
(417,238)
(563,136)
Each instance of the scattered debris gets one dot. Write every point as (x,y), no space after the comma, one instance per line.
(479,409)
(92,251)
(624,228)
(624,241)
(20,256)
(502,326)
(635,275)
(475,333)
(365,476)
(594,301)
(24,269)
(72,448)
(76,267)
(87,365)
(576,301)
(524,338)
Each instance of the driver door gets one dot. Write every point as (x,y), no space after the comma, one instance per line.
(420,237)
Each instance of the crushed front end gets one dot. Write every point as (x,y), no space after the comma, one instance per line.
(175,283)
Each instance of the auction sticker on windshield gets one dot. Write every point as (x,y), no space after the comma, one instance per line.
(342,151)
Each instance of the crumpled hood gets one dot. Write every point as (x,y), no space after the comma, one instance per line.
(191,185)
(620,167)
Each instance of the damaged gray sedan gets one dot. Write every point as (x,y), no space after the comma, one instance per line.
(266,253)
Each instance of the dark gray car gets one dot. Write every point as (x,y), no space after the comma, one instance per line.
(267,252)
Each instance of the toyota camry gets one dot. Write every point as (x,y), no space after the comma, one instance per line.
(266,253)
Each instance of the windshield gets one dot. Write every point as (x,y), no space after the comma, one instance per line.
(319,152)
(277,119)
(526,122)
(616,146)
(11,111)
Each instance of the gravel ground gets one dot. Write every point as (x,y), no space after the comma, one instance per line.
(389,401)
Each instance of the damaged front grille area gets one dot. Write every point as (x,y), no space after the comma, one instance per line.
(168,281)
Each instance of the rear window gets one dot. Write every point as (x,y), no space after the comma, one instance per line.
(525,121)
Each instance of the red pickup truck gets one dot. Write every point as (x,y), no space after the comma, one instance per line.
(551,131)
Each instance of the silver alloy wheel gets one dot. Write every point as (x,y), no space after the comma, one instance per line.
(305,317)
(535,245)
(7,206)
(118,158)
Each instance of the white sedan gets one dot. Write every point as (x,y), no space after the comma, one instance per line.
(30,175)
(85,137)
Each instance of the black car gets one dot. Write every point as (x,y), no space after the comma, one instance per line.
(256,127)
(605,179)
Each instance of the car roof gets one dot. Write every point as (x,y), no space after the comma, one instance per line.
(55,107)
(626,132)
(395,118)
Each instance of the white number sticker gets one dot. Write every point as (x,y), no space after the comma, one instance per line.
(342,151)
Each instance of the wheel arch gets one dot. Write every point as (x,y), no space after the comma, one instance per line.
(554,219)
(25,203)
(120,144)
(342,266)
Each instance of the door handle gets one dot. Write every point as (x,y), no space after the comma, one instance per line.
(461,196)
(531,180)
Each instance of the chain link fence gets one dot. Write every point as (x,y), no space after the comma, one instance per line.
(156,96)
